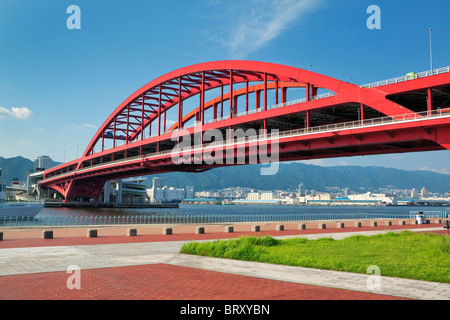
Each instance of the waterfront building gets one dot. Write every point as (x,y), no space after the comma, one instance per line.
(301,190)
(367,198)
(159,193)
(190,192)
(16,192)
(264,196)
(290,200)
(252,196)
(32,184)
(157,182)
(346,192)
(272,202)
(172,194)
(267,196)
(424,193)
(131,190)
(205,195)
(42,163)
(2,188)
(376,198)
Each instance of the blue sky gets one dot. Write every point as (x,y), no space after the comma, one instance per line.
(57,86)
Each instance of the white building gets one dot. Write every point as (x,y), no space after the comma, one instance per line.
(157,183)
(424,193)
(173,194)
(158,193)
(252,196)
(354,199)
(42,163)
(301,190)
(369,197)
(267,196)
(316,197)
(2,189)
(190,192)
(132,190)
(264,196)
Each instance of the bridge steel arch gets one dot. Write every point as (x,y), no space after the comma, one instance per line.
(129,127)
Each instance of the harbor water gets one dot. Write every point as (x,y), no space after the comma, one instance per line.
(206,213)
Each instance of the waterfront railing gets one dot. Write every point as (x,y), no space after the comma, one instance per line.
(202,218)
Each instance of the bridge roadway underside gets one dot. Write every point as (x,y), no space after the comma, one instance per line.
(408,137)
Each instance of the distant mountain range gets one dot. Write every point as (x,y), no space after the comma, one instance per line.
(289,176)
(16,167)
(318,178)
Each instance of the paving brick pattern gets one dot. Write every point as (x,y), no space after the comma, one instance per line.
(137,275)
(167,282)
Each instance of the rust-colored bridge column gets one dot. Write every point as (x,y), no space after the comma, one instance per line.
(443,137)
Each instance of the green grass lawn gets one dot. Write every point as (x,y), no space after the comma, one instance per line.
(421,256)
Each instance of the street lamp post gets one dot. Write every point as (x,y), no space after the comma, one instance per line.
(431,51)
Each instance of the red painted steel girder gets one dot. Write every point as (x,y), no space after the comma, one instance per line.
(237,93)
(426,135)
(152,101)
(169,90)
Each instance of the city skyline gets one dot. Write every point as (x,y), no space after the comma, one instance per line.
(58,85)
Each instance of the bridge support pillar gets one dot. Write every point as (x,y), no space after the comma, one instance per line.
(119,191)
(443,137)
(430,100)
(362,113)
(307,121)
(107,192)
(257,99)
(283,95)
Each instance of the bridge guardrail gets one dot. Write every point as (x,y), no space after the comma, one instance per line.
(409,76)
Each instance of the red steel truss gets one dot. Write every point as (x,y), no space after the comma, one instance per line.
(140,136)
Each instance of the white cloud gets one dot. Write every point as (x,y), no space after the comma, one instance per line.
(87,125)
(25,142)
(250,25)
(76,127)
(441,171)
(315,162)
(19,113)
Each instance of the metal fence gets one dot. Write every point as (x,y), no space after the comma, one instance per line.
(409,76)
(202,218)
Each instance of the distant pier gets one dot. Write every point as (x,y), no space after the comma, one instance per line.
(49,204)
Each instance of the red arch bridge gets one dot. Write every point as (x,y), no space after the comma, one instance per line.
(242,112)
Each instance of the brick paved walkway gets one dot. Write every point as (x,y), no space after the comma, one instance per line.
(148,266)
(168,282)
